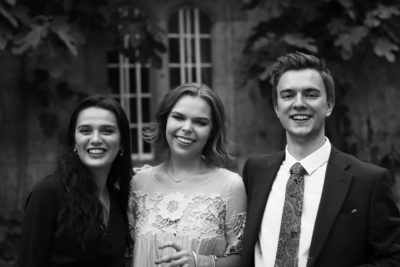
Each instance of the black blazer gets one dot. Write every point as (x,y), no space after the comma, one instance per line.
(358,221)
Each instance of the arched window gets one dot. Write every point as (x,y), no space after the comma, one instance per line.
(189,47)
(128,79)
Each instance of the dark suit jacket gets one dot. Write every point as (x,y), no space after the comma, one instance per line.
(358,222)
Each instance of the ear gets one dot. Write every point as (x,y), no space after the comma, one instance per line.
(330,108)
(276,108)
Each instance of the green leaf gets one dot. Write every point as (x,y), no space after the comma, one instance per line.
(385,48)
(298,40)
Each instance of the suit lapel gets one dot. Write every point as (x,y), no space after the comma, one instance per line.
(264,177)
(336,186)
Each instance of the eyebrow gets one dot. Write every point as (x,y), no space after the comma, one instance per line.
(101,125)
(199,118)
(304,90)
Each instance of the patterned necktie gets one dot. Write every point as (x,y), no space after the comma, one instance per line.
(289,236)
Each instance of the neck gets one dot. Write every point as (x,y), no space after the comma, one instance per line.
(179,170)
(192,165)
(301,148)
(100,178)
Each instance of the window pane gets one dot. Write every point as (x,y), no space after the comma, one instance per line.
(206,76)
(174,77)
(205,45)
(112,57)
(191,20)
(133,110)
(132,80)
(173,23)
(197,43)
(194,76)
(146,147)
(134,137)
(113,80)
(173,49)
(146,109)
(205,23)
(145,80)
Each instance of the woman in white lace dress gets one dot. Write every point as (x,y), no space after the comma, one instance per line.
(189,210)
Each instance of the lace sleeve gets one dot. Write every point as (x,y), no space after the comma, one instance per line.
(131,221)
(235,216)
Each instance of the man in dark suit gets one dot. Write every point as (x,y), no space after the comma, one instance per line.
(348,215)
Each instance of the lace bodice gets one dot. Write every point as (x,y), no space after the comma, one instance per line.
(208,217)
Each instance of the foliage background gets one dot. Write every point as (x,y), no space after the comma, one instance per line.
(352,37)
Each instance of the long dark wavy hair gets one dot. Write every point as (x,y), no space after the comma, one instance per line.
(217,149)
(83,213)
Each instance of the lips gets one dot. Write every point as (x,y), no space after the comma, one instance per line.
(300,117)
(96,151)
(185,140)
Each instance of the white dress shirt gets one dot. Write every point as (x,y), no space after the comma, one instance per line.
(315,165)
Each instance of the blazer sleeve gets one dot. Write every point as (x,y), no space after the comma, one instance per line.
(39,224)
(384,232)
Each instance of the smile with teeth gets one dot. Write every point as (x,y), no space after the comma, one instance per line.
(96,151)
(300,117)
(184,140)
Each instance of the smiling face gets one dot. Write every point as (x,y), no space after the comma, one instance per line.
(97,138)
(302,105)
(188,127)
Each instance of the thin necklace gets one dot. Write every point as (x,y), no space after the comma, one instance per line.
(170,176)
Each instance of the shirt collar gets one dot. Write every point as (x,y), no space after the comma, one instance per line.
(313,161)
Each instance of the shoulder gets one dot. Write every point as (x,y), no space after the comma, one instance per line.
(48,185)
(354,164)
(46,191)
(233,178)
(262,158)
(142,174)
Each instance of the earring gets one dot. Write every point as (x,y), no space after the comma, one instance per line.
(75,150)
(121,152)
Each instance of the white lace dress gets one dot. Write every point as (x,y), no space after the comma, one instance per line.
(206,216)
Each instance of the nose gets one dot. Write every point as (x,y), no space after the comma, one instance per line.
(96,139)
(187,126)
(299,101)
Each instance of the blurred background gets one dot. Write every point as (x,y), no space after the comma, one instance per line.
(55,52)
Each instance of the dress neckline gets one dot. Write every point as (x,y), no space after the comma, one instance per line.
(159,176)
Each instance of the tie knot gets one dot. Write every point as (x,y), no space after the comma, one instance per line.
(298,169)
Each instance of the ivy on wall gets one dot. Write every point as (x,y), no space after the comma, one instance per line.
(49,33)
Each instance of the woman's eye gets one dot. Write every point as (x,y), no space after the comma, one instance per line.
(84,131)
(107,131)
(177,117)
(202,123)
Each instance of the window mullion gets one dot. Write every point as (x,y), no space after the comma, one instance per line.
(182,45)
(138,68)
(189,45)
(197,45)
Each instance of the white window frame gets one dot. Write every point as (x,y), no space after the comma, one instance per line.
(185,37)
(124,66)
